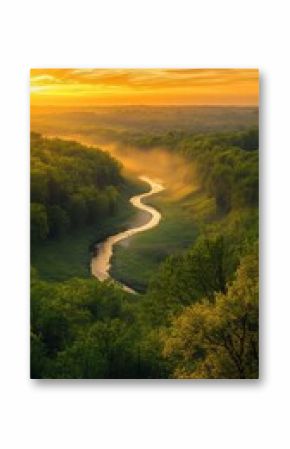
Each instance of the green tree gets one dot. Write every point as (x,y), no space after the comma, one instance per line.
(78,210)
(37,357)
(39,222)
(38,183)
(219,340)
(58,221)
(182,280)
(221,187)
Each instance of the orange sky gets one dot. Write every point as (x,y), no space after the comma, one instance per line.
(92,87)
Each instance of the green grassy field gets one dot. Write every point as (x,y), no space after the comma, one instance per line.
(135,260)
(58,260)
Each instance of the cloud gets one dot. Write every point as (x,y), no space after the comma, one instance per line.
(130,84)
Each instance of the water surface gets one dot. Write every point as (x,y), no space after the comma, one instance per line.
(100,263)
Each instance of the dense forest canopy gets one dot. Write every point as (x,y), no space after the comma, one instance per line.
(227,163)
(71,185)
(199,315)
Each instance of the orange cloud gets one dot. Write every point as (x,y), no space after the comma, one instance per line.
(67,87)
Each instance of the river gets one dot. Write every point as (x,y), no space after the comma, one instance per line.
(101,262)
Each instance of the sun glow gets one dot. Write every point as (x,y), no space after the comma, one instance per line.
(81,87)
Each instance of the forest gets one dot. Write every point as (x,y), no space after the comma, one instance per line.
(198,315)
(71,186)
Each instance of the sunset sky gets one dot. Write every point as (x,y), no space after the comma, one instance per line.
(93,87)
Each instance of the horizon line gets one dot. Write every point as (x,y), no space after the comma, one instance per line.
(149,105)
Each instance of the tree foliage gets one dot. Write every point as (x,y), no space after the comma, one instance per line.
(71,185)
(220,339)
(227,163)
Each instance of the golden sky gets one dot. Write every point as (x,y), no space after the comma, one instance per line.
(92,87)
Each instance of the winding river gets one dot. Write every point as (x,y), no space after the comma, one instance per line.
(100,263)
